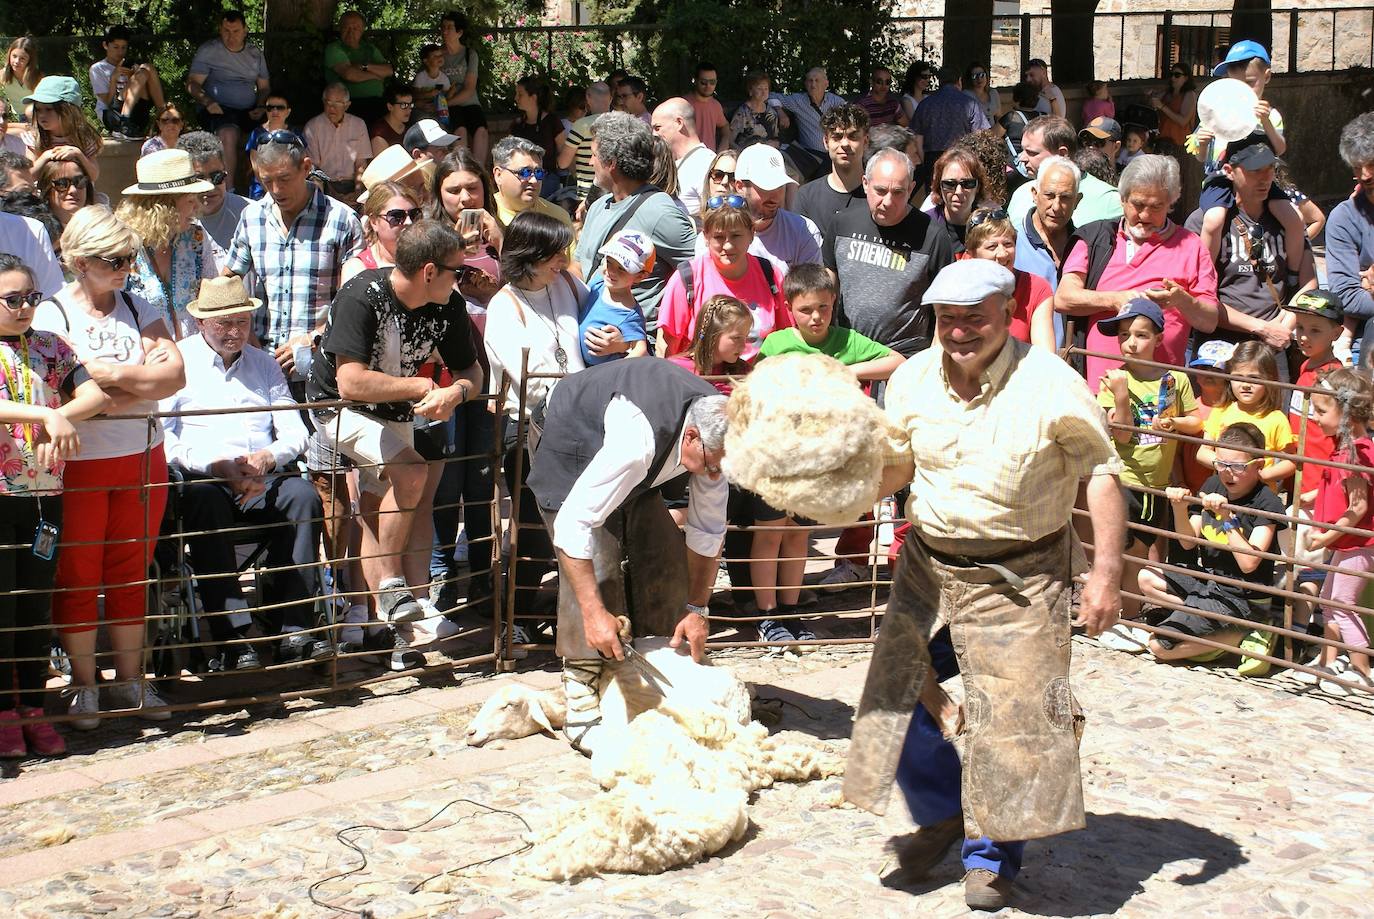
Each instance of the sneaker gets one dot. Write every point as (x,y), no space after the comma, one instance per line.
(352,632)
(520,636)
(396,603)
(1260,642)
(85,700)
(41,736)
(11,736)
(775,632)
(1350,675)
(139,696)
(445,595)
(1309,679)
(59,664)
(246,658)
(447,628)
(1330,687)
(985,890)
(803,633)
(843,574)
(1123,637)
(431,611)
(403,656)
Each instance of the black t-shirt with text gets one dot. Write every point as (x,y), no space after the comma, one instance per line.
(367,323)
(1214,554)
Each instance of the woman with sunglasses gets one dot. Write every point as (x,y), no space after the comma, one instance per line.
(278,110)
(957,186)
(755,121)
(1177,105)
(720,181)
(727,268)
(536,121)
(915,87)
(176,254)
(390,208)
(978,84)
(166,130)
(65,188)
(992,236)
(43,390)
(115,490)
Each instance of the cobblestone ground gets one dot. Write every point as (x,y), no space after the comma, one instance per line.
(1207,794)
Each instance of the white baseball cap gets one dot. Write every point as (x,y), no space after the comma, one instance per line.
(762,165)
(427,133)
(631,249)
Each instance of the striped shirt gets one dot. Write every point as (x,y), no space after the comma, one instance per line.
(1006,464)
(580,139)
(297,267)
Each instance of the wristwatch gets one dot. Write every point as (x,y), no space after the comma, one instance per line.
(702,611)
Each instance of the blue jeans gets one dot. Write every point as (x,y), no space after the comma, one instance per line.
(468,483)
(929,774)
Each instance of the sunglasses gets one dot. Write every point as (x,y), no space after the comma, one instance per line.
(398,216)
(965,184)
(986,215)
(17,302)
(716,201)
(456,269)
(285,138)
(116,262)
(402,104)
(978,74)
(276,108)
(173,120)
(1178,75)
(1235,467)
(214,178)
(525,173)
(720,175)
(69,182)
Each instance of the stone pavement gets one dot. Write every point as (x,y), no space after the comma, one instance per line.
(1207,794)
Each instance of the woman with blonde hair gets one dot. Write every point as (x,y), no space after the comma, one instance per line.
(390,208)
(19,73)
(115,490)
(176,253)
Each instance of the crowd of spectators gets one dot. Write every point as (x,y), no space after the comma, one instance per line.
(388,255)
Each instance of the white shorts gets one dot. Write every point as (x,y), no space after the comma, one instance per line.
(369,442)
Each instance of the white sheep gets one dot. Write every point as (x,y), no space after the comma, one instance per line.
(516,710)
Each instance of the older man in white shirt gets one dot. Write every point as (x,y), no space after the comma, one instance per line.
(235,463)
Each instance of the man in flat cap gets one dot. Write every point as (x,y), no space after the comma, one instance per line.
(994,438)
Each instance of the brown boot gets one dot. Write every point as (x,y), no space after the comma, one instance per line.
(929,846)
(986,890)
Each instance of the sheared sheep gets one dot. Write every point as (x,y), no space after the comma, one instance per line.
(678,784)
(516,710)
(804,437)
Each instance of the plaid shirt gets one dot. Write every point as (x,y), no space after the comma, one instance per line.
(1005,465)
(297,267)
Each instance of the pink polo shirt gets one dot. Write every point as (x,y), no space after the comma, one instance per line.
(1176,254)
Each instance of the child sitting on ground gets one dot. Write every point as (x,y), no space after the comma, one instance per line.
(1255,400)
(1343,498)
(1141,399)
(1320,321)
(778,556)
(1222,532)
(629,260)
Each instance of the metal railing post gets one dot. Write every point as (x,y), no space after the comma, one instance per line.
(1168,41)
(1025,40)
(1293,41)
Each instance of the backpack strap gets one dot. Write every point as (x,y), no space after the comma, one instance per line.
(766,265)
(684,271)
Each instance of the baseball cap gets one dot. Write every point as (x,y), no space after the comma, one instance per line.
(1318,302)
(968,281)
(631,249)
(1241,52)
(55,89)
(1102,128)
(427,133)
(1213,354)
(1133,308)
(762,165)
(1251,152)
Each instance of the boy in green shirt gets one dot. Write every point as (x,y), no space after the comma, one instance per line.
(1143,399)
(778,556)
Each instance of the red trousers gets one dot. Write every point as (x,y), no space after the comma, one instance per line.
(114,507)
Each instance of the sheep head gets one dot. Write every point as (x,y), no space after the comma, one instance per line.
(515,710)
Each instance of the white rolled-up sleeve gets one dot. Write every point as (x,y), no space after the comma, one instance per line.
(623,462)
(705,528)
(290,435)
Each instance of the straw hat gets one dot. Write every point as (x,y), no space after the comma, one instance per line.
(167,172)
(392,164)
(222,297)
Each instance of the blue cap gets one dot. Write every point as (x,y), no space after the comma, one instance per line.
(1133,308)
(1213,354)
(1241,52)
(51,90)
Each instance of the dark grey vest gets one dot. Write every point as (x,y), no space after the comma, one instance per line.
(574,420)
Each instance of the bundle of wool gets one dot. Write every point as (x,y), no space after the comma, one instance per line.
(803,436)
(678,782)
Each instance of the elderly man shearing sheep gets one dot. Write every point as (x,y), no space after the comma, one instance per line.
(994,437)
(613,436)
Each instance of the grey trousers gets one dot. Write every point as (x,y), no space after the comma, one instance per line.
(640,558)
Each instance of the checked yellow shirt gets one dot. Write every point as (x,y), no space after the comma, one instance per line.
(1005,465)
